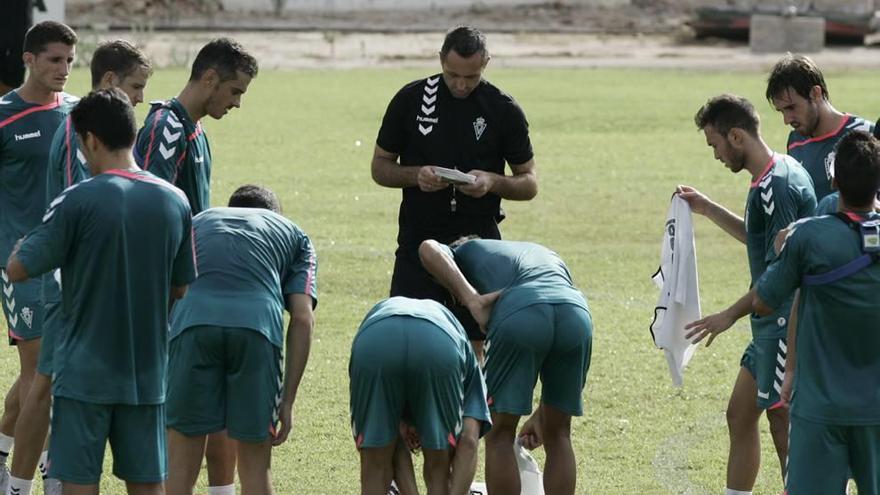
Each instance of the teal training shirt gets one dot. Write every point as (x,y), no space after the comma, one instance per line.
(173,147)
(817,154)
(122,240)
(782,194)
(837,378)
(828,205)
(66,167)
(26,131)
(474,401)
(249,259)
(528,273)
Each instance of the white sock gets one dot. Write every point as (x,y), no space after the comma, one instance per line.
(222,490)
(18,486)
(5,447)
(728,491)
(43,466)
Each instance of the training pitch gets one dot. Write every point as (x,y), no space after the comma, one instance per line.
(610,147)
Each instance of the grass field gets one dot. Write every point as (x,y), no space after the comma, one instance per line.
(610,146)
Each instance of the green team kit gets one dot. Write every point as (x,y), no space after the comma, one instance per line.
(173,147)
(110,359)
(411,360)
(781,194)
(26,131)
(66,167)
(816,154)
(835,409)
(540,325)
(227,333)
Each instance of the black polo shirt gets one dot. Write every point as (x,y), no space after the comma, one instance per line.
(425,125)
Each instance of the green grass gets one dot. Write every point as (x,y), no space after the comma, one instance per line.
(610,145)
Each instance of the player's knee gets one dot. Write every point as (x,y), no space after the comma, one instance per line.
(739,419)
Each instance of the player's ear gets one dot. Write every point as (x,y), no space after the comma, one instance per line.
(816,93)
(211,78)
(28,58)
(486,60)
(108,80)
(736,136)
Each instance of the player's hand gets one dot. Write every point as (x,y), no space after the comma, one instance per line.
(429,181)
(530,435)
(710,326)
(481,308)
(410,436)
(481,186)
(285,424)
(698,201)
(785,391)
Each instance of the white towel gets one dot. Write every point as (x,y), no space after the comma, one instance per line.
(679,301)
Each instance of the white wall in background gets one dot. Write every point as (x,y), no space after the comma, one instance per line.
(54,11)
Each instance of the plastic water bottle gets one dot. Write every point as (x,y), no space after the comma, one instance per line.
(531,479)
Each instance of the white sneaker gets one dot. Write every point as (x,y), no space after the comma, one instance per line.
(4,478)
(392,490)
(51,486)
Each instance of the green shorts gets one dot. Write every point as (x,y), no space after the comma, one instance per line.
(51,324)
(764,359)
(224,378)
(550,340)
(23,308)
(80,431)
(821,458)
(407,368)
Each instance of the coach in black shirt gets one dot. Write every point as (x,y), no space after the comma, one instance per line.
(454,120)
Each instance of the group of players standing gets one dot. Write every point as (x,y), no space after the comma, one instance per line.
(812,237)
(183,357)
(99,215)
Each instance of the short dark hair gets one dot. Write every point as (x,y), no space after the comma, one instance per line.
(857,168)
(725,112)
(466,41)
(226,57)
(119,57)
(106,113)
(254,196)
(797,72)
(41,34)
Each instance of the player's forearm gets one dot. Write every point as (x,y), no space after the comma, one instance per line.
(727,220)
(298,345)
(464,462)
(389,173)
(743,306)
(443,268)
(518,187)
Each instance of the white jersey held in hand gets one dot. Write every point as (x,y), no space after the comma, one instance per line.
(679,302)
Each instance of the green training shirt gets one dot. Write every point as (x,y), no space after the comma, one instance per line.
(26,131)
(837,378)
(828,205)
(474,400)
(173,147)
(122,240)
(816,154)
(66,167)
(528,273)
(249,259)
(782,194)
